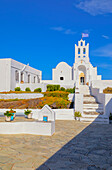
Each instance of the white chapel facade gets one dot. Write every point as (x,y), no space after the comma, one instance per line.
(82,72)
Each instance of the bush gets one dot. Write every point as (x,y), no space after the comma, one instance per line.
(77,114)
(71,90)
(27,112)
(27,89)
(107,90)
(54,102)
(38,90)
(62,89)
(51,87)
(58,94)
(17,89)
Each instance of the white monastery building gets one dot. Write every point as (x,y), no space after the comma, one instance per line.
(82,73)
(14,73)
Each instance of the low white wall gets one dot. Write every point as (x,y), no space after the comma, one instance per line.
(60,114)
(78,104)
(21,96)
(105,99)
(64,114)
(34,128)
(65,84)
(32,86)
(101,84)
(71,97)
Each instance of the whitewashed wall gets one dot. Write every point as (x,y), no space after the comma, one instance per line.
(105,99)
(5,74)
(101,84)
(32,86)
(60,114)
(21,96)
(66,85)
(34,128)
(78,104)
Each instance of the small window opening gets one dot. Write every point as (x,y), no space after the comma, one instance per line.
(61,78)
(81,43)
(78,50)
(84,50)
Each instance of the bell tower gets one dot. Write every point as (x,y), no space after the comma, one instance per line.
(81,52)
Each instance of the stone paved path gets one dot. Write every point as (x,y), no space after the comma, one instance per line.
(75,145)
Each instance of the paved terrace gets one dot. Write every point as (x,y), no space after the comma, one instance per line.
(75,145)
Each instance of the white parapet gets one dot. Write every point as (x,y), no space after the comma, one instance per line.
(78,104)
(34,128)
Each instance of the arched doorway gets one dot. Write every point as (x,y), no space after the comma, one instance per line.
(81,79)
(82,75)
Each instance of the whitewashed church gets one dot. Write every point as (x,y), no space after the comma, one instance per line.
(82,73)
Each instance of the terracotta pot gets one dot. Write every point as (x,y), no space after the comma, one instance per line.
(30,116)
(7,119)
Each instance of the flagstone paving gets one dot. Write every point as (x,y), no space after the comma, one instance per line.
(75,145)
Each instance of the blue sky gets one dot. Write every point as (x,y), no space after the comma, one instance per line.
(43,33)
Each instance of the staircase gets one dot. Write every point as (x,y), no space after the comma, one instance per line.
(92,110)
(84,89)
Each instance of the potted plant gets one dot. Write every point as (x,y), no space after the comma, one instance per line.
(13,112)
(28,113)
(8,115)
(110,118)
(77,115)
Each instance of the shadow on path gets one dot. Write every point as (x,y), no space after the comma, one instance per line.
(91,150)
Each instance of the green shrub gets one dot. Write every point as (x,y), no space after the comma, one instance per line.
(8,114)
(77,114)
(51,87)
(58,94)
(17,89)
(27,89)
(27,112)
(62,89)
(38,90)
(71,90)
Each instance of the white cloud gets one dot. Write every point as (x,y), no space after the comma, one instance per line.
(57,28)
(64,30)
(105,51)
(69,31)
(95,7)
(105,36)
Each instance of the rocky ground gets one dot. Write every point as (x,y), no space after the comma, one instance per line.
(75,145)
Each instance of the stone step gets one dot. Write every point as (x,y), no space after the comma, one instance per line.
(92,99)
(99,110)
(92,105)
(99,120)
(91,114)
(84,89)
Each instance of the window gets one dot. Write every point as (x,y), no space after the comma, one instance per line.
(29,78)
(38,79)
(81,43)
(84,50)
(34,79)
(79,56)
(84,56)
(17,76)
(22,77)
(78,50)
(61,78)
